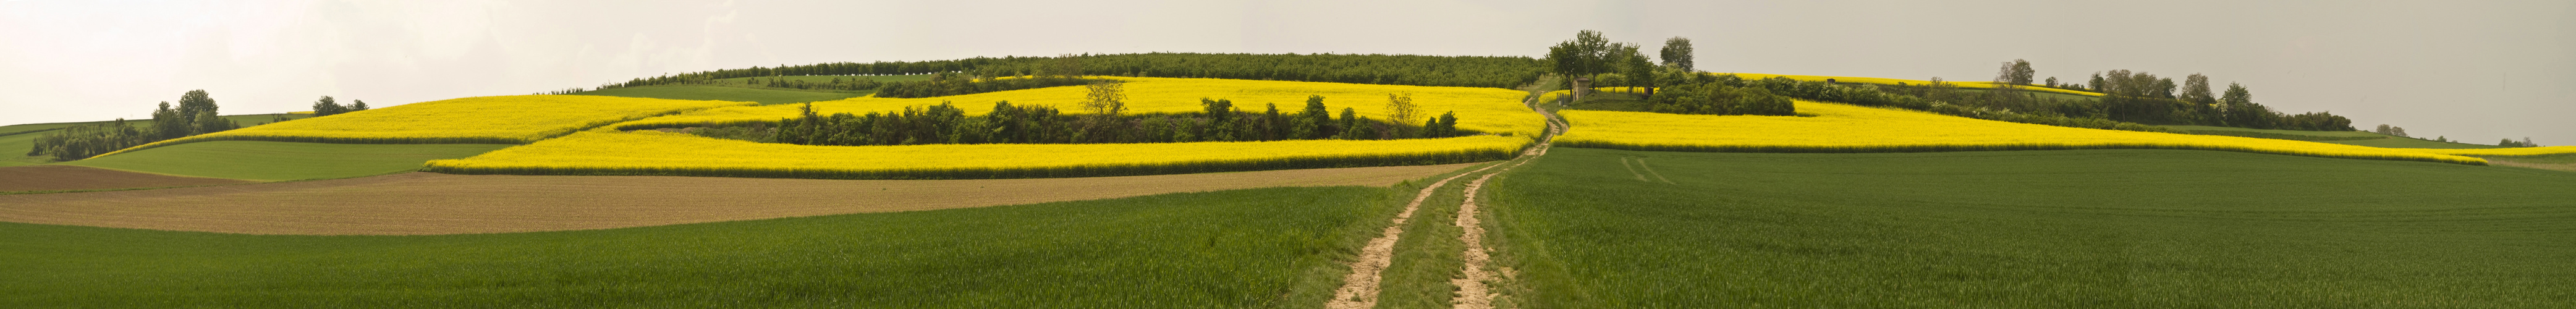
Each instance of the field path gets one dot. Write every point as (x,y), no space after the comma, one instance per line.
(431,203)
(1360,288)
(1474,281)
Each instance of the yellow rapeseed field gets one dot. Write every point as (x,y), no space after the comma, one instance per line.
(1847,128)
(497,119)
(1893,81)
(2526,151)
(1489,110)
(603,152)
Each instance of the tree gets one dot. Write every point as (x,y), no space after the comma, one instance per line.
(169,123)
(1106,99)
(1677,53)
(196,102)
(1401,109)
(1582,56)
(358,105)
(1634,65)
(326,107)
(2195,89)
(2017,73)
(2097,85)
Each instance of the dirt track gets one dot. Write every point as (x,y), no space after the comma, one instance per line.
(67,177)
(428,203)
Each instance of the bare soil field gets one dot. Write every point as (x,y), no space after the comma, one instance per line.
(66,177)
(430,203)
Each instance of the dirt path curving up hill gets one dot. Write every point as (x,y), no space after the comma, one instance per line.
(429,203)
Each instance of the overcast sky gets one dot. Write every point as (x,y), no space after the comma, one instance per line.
(2469,70)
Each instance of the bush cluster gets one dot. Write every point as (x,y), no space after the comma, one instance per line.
(1719,99)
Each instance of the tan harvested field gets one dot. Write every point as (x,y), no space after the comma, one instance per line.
(429,203)
(67,177)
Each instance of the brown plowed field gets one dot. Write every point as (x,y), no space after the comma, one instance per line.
(429,203)
(67,177)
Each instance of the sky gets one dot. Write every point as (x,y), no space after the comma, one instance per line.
(2468,70)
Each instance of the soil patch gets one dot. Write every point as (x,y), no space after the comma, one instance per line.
(67,177)
(430,203)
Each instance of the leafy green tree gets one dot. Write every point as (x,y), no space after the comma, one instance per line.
(196,102)
(2195,89)
(168,123)
(1677,53)
(2016,72)
(1585,55)
(358,105)
(1106,99)
(1634,65)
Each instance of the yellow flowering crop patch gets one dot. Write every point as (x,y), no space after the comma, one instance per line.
(1847,128)
(2526,151)
(1489,110)
(496,120)
(601,152)
(1892,81)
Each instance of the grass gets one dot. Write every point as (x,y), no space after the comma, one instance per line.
(681,154)
(2385,141)
(1829,127)
(2406,142)
(259,160)
(725,93)
(244,120)
(2033,229)
(476,120)
(1273,247)
(14,147)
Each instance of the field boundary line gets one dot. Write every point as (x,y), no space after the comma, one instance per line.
(1360,288)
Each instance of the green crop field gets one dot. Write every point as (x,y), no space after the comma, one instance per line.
(724,93)
(1591,228)
(14,147)
(258,160)
(1272,247)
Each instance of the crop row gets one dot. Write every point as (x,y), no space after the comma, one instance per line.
(477,120)
(1847,128)
(676,154)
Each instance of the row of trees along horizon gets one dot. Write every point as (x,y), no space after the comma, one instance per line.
(197,114)
(1219,121)
(2130,98)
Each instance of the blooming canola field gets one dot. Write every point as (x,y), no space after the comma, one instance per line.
(1488,110)
(1848,128)
(1508,124)
(659,153)
(490,120)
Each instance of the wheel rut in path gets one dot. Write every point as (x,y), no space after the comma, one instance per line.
(1472,290)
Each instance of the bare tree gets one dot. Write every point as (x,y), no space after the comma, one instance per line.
(1401,109)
